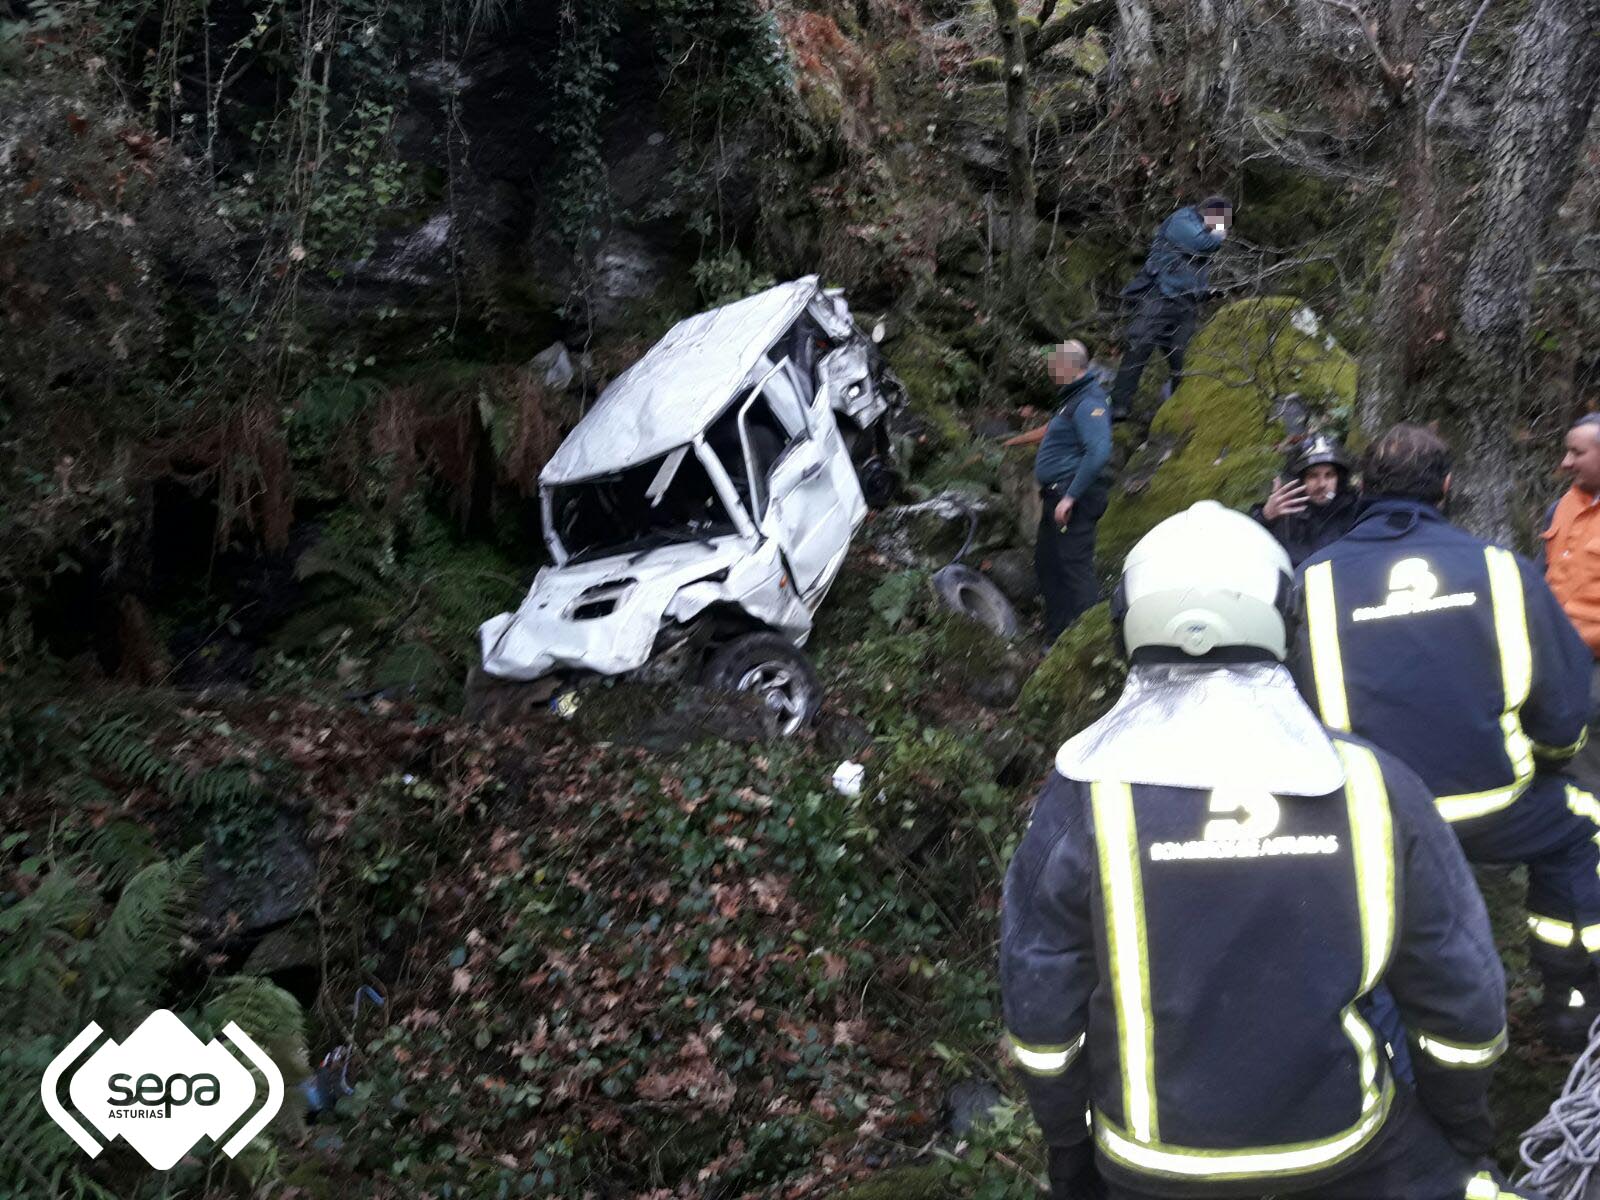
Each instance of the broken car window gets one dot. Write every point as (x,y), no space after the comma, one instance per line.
(622,512)
(805,345)
(768,440)
(781,386)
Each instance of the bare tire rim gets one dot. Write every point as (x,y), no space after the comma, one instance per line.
(781,690)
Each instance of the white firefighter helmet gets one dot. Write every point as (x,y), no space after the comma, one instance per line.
(1208,579)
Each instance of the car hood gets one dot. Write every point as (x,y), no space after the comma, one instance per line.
(600,616)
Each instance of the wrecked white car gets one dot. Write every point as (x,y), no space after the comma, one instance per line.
(697,515)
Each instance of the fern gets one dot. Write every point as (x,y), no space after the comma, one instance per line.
(37,975)
(118,745)
(120,851)
(85,791)
(140,939)
(270,1015)
(228,783)
(59,971)
(276,1022)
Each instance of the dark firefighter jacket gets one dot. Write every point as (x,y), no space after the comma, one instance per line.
(1190,967)
(1303,534)
(1179,263)
(1447,651)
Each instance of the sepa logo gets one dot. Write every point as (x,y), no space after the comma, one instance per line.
(162,1090)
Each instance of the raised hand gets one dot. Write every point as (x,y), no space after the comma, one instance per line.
(1287,499)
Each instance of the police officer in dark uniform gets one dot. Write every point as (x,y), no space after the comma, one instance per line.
(1314,503)
(1453,654)
(1210,892)
(1074,488)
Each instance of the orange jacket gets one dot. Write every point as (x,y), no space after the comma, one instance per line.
(1572,561)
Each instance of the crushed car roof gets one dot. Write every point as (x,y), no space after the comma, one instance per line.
(683,383)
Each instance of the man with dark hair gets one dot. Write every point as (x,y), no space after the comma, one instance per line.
(1166,293)
(1313,505)
(1453,655)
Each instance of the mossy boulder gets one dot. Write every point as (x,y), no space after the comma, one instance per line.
(1217,438)
(1078,681)
(1019,491)
(1062,297)
(938,379)
(975,660)
(987,69)
(1281,206)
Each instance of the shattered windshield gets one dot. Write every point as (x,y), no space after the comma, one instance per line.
(666,500)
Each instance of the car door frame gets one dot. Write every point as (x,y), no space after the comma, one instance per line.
(801,505)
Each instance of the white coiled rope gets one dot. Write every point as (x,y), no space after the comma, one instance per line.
(1562,1152)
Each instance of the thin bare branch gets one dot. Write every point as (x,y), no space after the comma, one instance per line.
(1396,79)
(1455,63)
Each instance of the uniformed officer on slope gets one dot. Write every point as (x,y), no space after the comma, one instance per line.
(1072,469)
(1452,654)
(1210,891)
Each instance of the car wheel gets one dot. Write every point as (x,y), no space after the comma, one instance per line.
(773,669)
(963,590)
(879,481)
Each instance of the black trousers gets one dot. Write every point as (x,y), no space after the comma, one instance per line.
(1065,559)
(1412,1161)
(1160,323)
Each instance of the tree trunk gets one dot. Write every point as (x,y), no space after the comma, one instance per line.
(1136,43)
(1539,127)
(1452,316)
(1212,86)
(1406,316)
(1019,147)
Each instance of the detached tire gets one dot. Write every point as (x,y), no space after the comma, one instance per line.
(963,590)
(773,669)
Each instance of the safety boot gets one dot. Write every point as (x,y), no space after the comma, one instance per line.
(1566,1023)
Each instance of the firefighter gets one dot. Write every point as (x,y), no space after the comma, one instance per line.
(1210,892)
(1453,655)
(1313,504)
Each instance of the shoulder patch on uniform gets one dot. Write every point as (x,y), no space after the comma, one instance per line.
(1097,412)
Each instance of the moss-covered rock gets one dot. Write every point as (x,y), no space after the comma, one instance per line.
(1078,681)
(986,69)
(1020,492)
(938,379)
(1063,294)
(1216,438)
(977,662)
(1281,206)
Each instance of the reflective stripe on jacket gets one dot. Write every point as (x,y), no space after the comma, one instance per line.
(1448,652)
(1189,967)
(1572,561)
